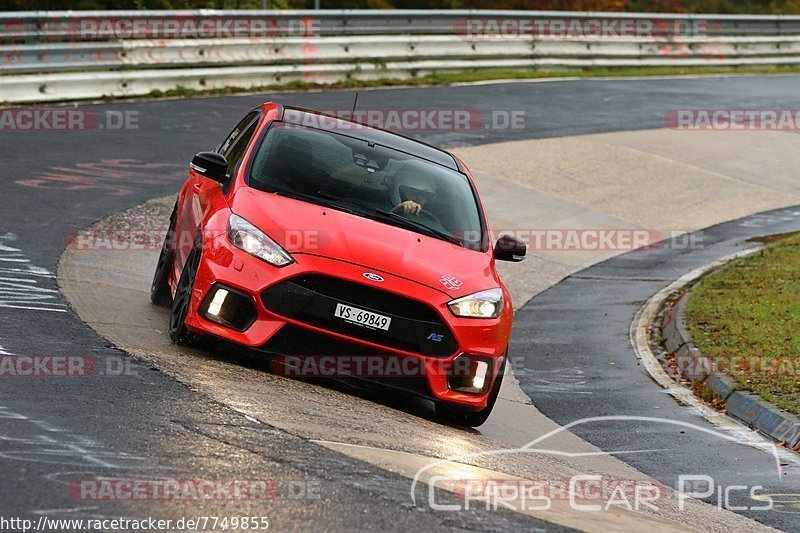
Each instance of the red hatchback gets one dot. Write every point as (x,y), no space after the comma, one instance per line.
(327,242)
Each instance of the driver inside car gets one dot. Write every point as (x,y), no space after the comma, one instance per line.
(411,192)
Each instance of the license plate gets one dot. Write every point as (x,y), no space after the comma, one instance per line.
(361,317)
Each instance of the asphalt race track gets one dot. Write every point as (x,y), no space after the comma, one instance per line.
(132,420)
(603,300)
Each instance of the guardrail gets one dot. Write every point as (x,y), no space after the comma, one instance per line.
(46,56)
(76,25)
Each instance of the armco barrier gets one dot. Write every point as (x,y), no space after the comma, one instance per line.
(68,25)
(50,56)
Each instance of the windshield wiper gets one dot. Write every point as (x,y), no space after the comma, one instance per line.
(419,227)
(328,196)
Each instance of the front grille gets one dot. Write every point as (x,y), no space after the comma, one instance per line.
(294,340)
(312,299)
(359,294)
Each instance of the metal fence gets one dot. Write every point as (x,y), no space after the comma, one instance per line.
(46,56)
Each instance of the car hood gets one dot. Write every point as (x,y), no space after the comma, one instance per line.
(306,228)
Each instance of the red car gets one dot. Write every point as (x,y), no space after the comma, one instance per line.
(314,238)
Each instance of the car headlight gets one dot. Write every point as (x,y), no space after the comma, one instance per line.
(484,304)
(252,240)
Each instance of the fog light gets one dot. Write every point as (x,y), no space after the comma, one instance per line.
(480,375)
(229,307)
(469,373)
(216,304)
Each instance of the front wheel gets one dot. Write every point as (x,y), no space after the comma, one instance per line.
(458,415)
(160,291)
(178,331)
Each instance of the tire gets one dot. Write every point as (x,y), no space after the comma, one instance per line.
(178,331)
(458,415)
(160,292)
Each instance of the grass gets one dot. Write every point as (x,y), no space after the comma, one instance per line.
(447,78)
(750,309)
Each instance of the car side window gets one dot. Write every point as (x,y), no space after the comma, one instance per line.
(236,132)
(235,152)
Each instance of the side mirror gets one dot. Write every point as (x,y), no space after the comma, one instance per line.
(509,248)
(211,165)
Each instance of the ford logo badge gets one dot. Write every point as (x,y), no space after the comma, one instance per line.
(372,277)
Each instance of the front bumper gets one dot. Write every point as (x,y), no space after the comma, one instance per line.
(290,320)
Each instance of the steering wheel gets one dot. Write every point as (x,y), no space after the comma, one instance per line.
(430,216)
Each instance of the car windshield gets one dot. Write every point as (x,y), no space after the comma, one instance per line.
(370,180)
